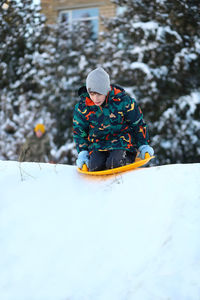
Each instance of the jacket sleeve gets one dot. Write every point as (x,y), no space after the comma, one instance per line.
(24,149)
(80,130)
(134,118)
(46,148)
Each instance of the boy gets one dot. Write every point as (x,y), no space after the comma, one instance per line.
(108,125)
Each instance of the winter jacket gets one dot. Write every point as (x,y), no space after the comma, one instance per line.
(36,149)
(117,124)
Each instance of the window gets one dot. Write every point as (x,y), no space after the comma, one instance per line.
(77,15)
(121,10)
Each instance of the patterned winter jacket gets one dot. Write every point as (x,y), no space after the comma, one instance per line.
(117,124)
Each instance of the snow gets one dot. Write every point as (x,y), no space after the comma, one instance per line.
(66,236)
(144,67)
(36,1)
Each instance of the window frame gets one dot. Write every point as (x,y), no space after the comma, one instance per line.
(70,16)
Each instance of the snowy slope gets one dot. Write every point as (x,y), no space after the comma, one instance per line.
(65,236)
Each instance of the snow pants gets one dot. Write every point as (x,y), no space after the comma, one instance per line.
(102,160)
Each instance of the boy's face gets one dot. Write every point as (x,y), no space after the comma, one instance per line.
(97,98)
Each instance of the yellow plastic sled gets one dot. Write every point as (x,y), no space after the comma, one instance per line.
(138,163)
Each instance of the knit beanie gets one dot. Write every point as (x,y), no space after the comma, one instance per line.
(40,127)
(98,81)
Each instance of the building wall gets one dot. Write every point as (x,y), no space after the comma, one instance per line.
(51,8)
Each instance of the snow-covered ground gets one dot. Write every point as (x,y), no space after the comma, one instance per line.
(66,236)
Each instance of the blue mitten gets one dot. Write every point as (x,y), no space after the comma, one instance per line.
(83,158)
(145,149)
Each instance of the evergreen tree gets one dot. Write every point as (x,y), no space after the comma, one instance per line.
(73,55)
(42,67)
(178,130)
(21,106)
(154,47)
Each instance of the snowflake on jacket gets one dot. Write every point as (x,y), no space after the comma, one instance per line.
(117,124)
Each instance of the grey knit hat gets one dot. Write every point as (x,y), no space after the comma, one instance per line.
(98,81)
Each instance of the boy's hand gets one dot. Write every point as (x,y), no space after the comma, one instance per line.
(83,158)
(145,149)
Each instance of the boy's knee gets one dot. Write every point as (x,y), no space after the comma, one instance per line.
(97,161)
(96,165)
(116,159)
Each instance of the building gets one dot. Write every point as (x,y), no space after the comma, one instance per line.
(78,10)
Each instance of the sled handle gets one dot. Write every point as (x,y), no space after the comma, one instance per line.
(147,155)
(84,168)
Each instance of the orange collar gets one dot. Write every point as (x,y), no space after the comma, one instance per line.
(89,102)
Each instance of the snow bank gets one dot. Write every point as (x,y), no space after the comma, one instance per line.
(65,236)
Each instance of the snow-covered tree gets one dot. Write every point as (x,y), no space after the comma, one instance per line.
(151,48)
(20,105)
(178,130)
(73,55)
(154,47)
(42,67)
